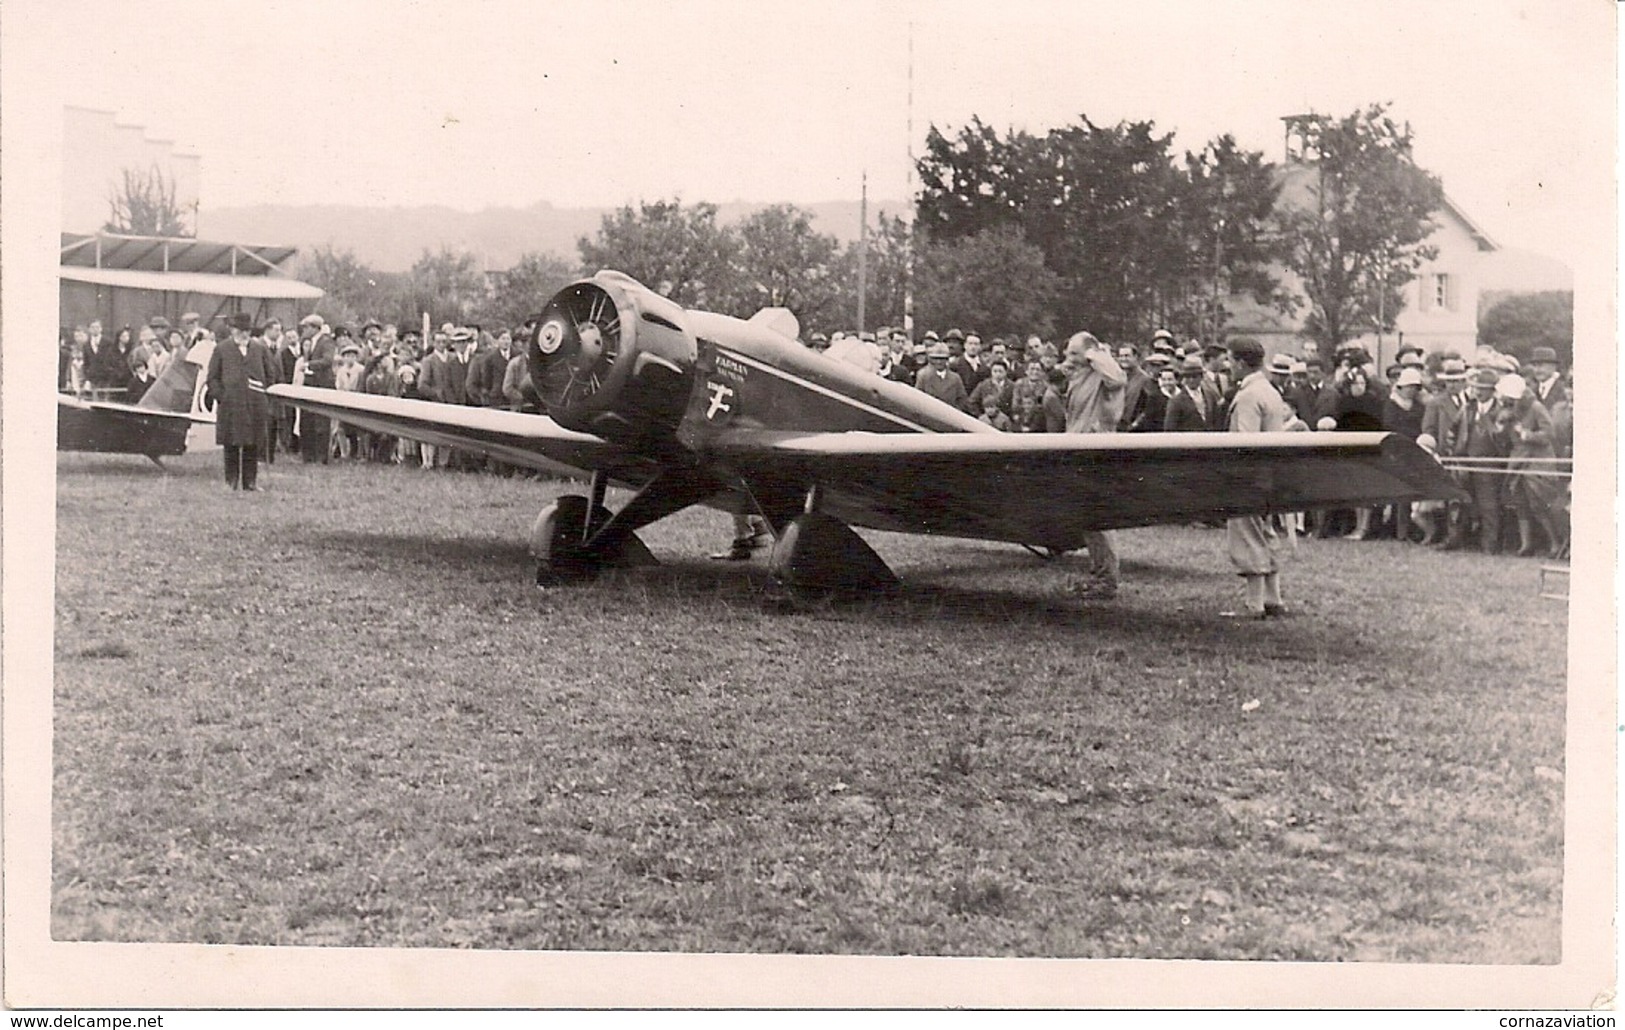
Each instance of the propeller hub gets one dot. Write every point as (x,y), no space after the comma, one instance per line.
(612,358)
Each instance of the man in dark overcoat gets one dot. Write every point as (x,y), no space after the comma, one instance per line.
(239,371)
(1195,407)
(1477,436)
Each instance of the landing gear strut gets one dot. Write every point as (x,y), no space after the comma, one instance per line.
(575,536)
(820,553)
(558,542)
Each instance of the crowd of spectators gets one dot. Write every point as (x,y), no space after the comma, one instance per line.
(122,366)
(459,365)
(1502,425)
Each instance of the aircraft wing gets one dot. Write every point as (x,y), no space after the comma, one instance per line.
(518,438)
(64,400)
(1048,489)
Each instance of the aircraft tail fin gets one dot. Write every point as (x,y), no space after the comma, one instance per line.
(175,387)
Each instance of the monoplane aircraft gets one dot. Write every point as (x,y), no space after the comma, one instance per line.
(155,426)
(689,407)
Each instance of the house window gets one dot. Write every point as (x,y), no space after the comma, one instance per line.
(1444,294)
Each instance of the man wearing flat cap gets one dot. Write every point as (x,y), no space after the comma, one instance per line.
(1256,544)
(239,371)
(937,380)
(319,354)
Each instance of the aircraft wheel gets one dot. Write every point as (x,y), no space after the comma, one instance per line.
(556,541)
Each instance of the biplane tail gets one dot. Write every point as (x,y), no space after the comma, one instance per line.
(175,389)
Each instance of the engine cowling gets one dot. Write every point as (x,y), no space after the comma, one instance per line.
(611,357)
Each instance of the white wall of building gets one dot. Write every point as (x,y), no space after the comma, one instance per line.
(1441,303)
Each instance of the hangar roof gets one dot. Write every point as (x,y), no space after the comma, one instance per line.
(171,254)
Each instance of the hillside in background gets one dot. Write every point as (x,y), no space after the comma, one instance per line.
(390,239)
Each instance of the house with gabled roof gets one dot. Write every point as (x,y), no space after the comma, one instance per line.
(1441,304)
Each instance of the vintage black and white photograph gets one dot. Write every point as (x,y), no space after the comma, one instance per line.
(727,504)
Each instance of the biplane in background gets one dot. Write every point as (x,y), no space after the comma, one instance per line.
(155,426)
(689,407)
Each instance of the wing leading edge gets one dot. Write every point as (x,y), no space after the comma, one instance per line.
(1049,489)
(519,438)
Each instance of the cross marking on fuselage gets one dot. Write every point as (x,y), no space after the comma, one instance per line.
(720,392)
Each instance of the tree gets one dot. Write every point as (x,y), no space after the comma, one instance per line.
(994,282)
(1134,239)
(350,288)
(1105,214)
(524,289)
(973,181)
(1357,233)
(1520,322)
(782,262)
(449,285)
(145,204)
(678,251)
(1224,206)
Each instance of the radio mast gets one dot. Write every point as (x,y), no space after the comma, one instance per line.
(908,202)
(863,249)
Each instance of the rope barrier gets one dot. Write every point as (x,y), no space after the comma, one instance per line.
(1465,460)
(1478,470)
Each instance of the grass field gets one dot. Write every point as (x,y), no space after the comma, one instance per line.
(339,713)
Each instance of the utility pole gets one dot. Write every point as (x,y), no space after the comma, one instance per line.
(1382,314)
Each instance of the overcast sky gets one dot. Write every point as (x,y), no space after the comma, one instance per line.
(389,102)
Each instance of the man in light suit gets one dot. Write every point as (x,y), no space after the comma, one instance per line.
(1253,543)
(1094,404)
